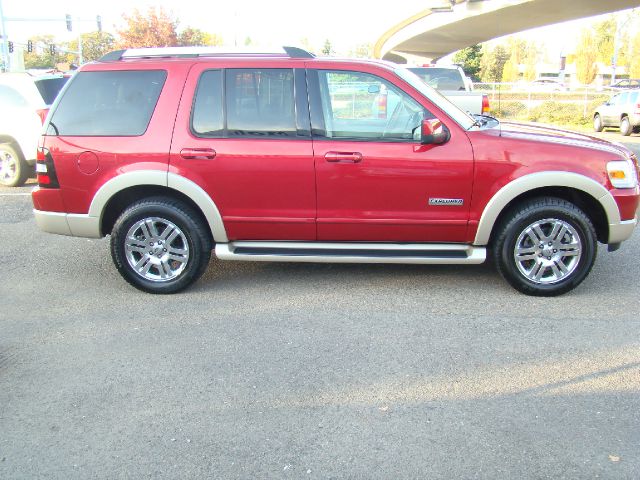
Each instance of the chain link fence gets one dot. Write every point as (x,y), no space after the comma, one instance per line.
(547,103)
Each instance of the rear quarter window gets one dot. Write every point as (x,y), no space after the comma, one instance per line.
(115,103)
(50,87)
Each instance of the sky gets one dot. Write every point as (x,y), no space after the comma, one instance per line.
(269,23)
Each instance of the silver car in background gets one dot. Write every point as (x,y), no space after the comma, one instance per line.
(621,111)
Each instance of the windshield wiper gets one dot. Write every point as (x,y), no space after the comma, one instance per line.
(482,120)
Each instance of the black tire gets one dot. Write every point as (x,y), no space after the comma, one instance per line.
(546,213)
(14,170)
(597,123)
(192,245)
(625,126)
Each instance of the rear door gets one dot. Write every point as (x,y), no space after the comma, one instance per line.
(243,135)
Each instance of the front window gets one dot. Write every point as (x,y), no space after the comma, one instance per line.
(362,106)
(459,116)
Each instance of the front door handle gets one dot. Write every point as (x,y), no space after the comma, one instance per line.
(343,157)
(198,153)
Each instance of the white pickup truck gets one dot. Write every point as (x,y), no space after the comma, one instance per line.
(451,81)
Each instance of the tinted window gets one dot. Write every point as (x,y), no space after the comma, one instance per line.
(10,98)
(623,99)
(363,106)
(260,102)
(50,87)
(117,103)
(207,117)
(440,78)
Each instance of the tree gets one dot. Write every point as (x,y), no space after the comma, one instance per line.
(492,65)
(605,33)
(94,46)
(362,50)
(153,29)
(41,56)
(190,37)
(585,57)
(327,50)
(634,57)
(470,58)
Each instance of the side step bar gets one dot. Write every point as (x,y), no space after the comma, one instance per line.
(347,252)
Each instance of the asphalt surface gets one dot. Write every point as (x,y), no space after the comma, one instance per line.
(310,371)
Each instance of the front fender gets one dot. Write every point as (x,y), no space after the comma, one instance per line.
(526,183)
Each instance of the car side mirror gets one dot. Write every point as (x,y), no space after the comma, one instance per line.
(434,132)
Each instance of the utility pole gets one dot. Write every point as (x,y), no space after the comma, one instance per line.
(5,42)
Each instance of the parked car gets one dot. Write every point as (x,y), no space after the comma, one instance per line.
(24,103)
(547,85)
(178,152)
(626,84)
(621,111)
(451,81)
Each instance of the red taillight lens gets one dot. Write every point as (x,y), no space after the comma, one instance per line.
(485,104)
(382,106)
(42,113)
(45,170)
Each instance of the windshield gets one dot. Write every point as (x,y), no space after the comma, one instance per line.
(459,116)
(440,78)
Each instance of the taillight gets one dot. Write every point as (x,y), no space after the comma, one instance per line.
(42,113)
(382,106)
(485,104)
(45,170)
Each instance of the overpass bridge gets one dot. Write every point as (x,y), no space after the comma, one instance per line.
(449,25)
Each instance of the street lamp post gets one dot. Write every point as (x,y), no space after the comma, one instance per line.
(5,40)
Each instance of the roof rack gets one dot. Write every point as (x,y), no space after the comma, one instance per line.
(194,52)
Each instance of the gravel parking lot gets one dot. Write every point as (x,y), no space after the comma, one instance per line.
(310,371)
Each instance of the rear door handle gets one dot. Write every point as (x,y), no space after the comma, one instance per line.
(343,157)
(198,153)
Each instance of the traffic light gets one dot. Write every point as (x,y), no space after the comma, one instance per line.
(29,46)
(10,45)
(99,22)
(67,17)
(52,49)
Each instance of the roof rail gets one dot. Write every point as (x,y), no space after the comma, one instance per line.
(193,52)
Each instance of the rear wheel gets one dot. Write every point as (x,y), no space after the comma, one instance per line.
(625,126)
(14,170)
(546,247)
(597,123)
(160,245)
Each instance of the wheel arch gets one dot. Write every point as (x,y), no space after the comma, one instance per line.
(14,144)
(593,198)
(115,195)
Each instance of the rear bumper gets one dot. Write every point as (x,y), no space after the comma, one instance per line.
(621,231)
(75,225)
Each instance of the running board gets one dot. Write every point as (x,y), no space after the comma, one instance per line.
(346,252)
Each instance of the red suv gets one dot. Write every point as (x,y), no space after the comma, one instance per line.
(288,157)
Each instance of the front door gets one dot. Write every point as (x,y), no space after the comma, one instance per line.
(375,181)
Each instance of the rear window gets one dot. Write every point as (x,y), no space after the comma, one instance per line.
(440,78)
(116,103)
(11,98)
(50,87)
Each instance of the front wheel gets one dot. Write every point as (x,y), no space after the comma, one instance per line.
(625,127)
(546,247)
(160,245)
(597,123)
